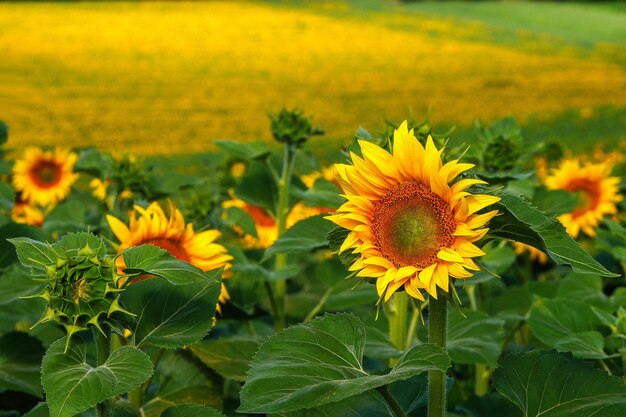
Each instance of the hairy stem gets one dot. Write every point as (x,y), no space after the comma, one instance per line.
(437,327)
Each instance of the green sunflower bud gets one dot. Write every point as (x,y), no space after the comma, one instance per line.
(293,127)
(81,289)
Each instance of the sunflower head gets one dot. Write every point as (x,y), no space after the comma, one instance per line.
(44,177)
(81,285)
(411,224)
(151,226)
(597,190)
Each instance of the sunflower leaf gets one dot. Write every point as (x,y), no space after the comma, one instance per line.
(149,259)
(550,384)
(568,325)
(191,410)
(73,385)
(474,337)
(169,315)
(306,235)
(321,363)
(20,360)
(229,357)
(522,222)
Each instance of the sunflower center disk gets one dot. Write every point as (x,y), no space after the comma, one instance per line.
(411,224)
(46,174)
(172,246)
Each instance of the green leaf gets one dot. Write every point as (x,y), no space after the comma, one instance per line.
(171,316)
(94,162)
(4,133)
(321,363)
(34,255)
(248,150)
(68,216)
(323,194)
(191,410)
(257,187)
(229,357)
(549,384)
(149,259)
(568,326)
(306,235)
(490,405)
(554,202)
(7,196)
(336,237)
(73,385)
(40,410)
(236,216)
(180,379)
(368,404)
(475,338)
(72,243)
(161,186)
(20,362)
(588,289)
(520,221)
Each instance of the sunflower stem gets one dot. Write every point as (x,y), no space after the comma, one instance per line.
(282,210)
(397,322)
(391,401)
(437,328)
(103,350)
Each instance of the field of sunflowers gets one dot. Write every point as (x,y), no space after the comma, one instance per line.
(413,277)
(408,268)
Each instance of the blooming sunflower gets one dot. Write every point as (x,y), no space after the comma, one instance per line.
(534,254)
(409,227)
(24,213)
(265,224)
(152,226)
(44,177)
(598,193)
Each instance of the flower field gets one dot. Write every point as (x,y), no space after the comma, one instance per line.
(318,262)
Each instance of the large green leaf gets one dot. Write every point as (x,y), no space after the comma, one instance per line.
(34,255)
(191,410)
(475,338)
(180,379)
(368,404)
(73,385)
(549,384)
(68,216)
(229,357)
(568,326)
(321,363)
(520,221)
(588,289)
(554,202)
(249,150)
(306,235)
(40,410)
(20,362)
(149,259)
(169,315)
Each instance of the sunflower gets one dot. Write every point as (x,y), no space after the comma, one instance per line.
(99,188)
(265,224)
(408,226)
(152,226)
(24,213)
(534,254)
(598,193)
(44,177)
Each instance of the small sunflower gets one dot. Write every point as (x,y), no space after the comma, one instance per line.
(44,177)
(265,224)
(534,254)
(152,226)
(409,227)
(99,188)
(24,213)
(598,193)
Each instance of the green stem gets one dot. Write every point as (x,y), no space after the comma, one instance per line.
(103,350)
(319,305)
(397,410)
(397,321)
(437,327)
(280,287)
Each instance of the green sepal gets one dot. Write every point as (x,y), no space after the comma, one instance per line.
(115,306)
(94,321)
(71,330)
(48,315)
(45,295)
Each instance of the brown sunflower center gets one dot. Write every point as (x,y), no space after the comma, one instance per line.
(588,195)
(172,246)
(45,173)
(411,224)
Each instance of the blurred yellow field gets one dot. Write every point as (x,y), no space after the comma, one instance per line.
(157,78)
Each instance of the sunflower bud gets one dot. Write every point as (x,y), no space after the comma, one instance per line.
(82,290)
(502,153)
(293,127)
